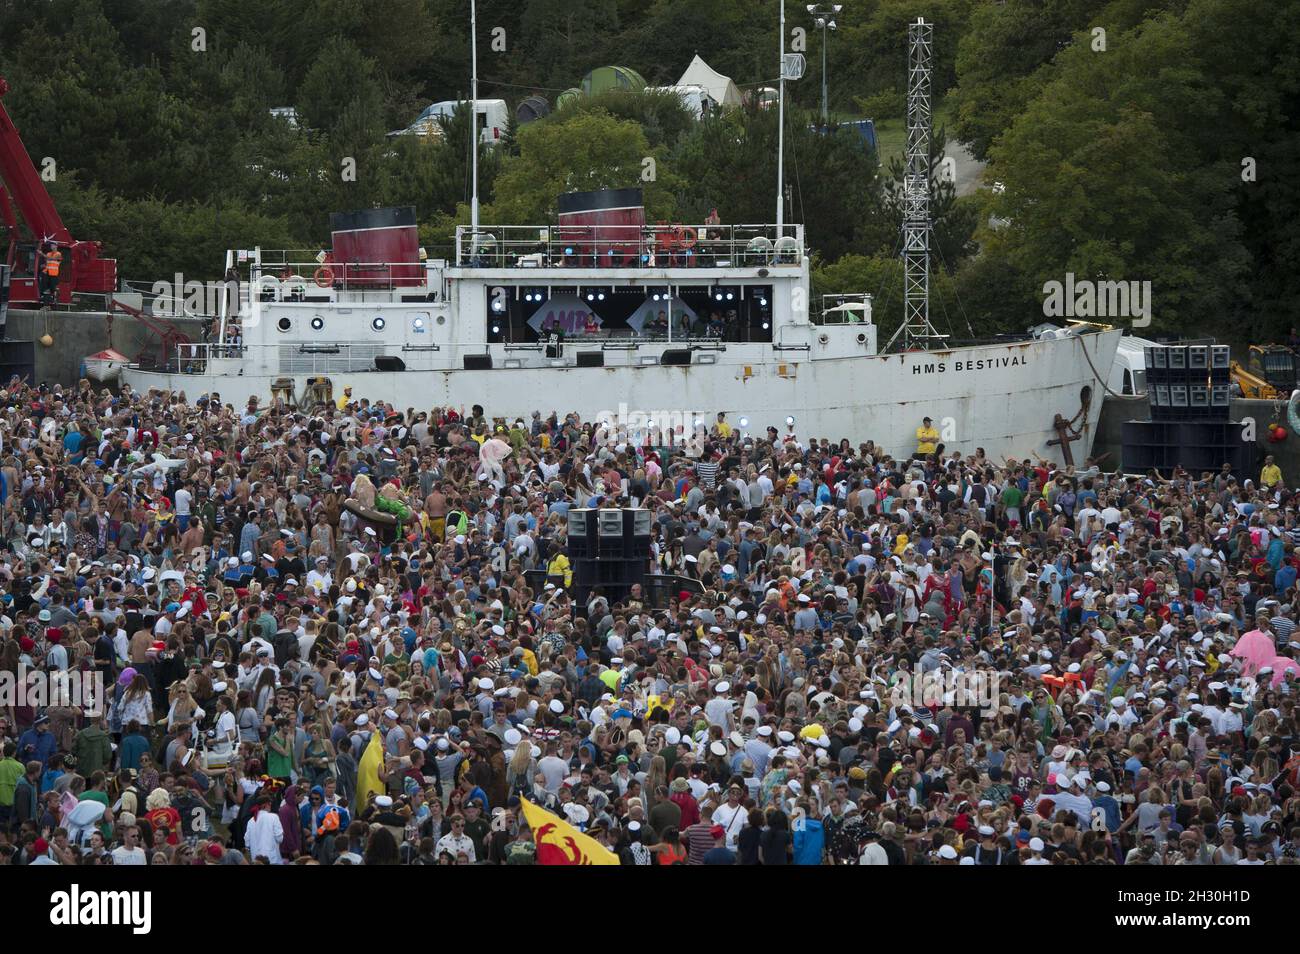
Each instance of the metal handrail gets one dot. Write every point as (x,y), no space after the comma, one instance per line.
(629,246)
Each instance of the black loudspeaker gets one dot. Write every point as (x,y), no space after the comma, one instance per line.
(591,359)
(478,362)
(676,356)
(389,362)
(609,549)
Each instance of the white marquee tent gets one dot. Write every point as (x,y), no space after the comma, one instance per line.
(720,87)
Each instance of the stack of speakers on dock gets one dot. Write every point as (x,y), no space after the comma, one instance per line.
(1189,388)
(608,550)
(1189,382)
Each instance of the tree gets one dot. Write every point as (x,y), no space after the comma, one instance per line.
(660,114)
(1104,178)
(729,162)
(340,90)
(590,150)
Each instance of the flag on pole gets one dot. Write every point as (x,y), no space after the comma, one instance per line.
(559,843)
(368,781)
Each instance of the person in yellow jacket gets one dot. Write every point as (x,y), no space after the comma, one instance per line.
(1271,475)
(927,438)
(559,566)
(724,429)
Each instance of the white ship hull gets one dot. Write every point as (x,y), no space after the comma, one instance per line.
(1000,397)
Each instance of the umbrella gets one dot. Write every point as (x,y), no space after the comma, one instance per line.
(1256,648)
(1280,666)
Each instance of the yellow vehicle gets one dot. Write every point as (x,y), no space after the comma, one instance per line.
(1270,374)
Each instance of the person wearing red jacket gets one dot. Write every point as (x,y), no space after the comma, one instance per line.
(681,797)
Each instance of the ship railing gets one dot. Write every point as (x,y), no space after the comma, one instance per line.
(289,281)
(629,246)
(286,358)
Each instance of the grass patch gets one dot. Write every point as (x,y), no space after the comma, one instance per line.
(891,134)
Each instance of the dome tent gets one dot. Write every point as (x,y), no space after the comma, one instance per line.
(605,78)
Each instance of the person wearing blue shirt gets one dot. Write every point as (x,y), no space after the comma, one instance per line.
(480,795)
(1108,805)
(37,744)
(133,745)
(72,442)
(809,840)
(1284,578)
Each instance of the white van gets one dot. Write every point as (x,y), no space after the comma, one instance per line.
(1128,375)
(493,115)
(696,99)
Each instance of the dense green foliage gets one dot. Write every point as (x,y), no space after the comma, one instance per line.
(1123,163)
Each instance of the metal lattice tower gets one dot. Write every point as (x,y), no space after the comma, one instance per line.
(916,329)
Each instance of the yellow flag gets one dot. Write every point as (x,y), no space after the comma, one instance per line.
(559,843)
(368,781)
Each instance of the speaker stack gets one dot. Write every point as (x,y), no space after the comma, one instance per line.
(1189,389)
(608,549)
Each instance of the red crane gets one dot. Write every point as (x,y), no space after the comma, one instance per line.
(83,270)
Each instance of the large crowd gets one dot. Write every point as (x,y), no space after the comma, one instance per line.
(350,634)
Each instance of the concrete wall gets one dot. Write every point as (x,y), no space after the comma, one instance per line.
(1115,411)
(78,334)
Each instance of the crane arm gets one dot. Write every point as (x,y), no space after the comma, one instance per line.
(24,183)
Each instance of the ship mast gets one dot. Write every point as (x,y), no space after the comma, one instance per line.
(916,329)
(780,133)
(473,114)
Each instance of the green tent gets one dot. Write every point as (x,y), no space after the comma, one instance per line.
(568,95)
(605,78)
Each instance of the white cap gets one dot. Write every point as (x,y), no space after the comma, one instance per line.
(485,683)
(557,706)
(1035,844)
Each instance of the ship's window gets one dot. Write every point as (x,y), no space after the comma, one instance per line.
(285,323)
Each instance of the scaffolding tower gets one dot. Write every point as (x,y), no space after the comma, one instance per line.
(916,330)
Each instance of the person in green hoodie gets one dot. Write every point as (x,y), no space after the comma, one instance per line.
(11,770)
(92,748)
